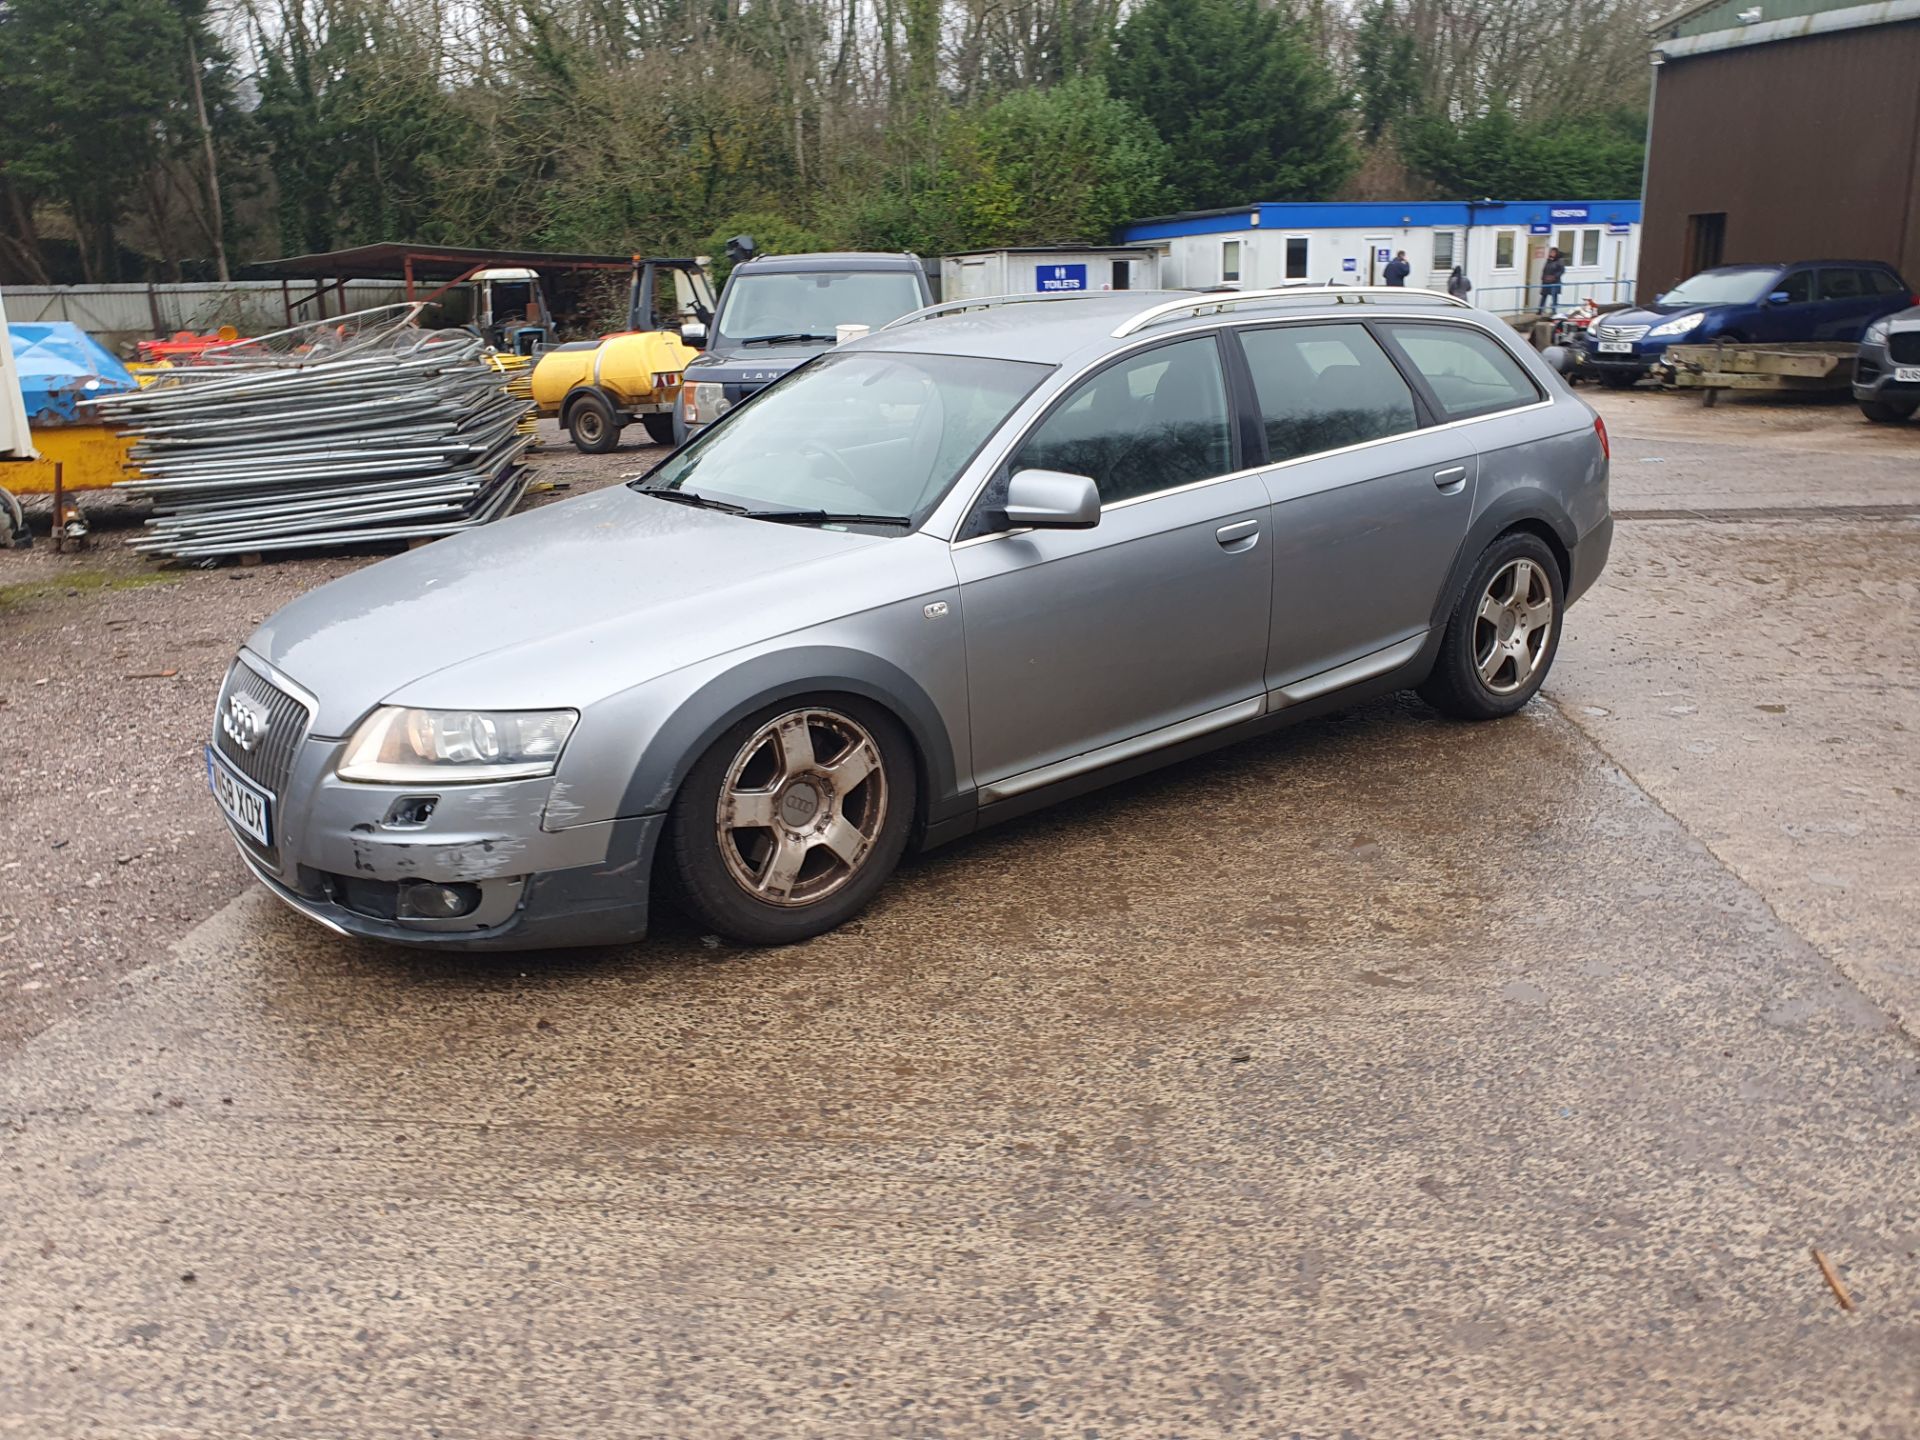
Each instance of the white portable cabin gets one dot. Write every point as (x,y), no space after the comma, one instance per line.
(1500,244)
(1038,269)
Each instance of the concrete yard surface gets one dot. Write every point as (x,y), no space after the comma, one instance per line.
(1386,1078)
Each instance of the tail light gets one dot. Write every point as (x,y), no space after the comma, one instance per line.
(665,379)
(1600,430)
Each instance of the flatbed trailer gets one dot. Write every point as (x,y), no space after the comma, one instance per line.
(1806,367)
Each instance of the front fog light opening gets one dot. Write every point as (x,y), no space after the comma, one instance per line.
(434,900)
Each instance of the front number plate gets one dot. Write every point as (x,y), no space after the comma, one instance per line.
(1907,374)
(1616,347)
(245,803)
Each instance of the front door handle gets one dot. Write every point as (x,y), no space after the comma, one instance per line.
(1448,478)
(1241,535)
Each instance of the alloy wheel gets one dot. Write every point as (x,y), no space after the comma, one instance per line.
(1512,626)
(803,803)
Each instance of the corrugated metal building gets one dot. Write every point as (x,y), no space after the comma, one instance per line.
(1783,130)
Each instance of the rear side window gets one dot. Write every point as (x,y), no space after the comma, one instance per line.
(1325,386)
(1470,373)
(1882,282)
(1842,285)
(1147,423)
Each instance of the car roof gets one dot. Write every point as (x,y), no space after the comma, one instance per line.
(1053,330)
(834,260)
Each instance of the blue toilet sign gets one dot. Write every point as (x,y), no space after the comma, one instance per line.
(1060,277)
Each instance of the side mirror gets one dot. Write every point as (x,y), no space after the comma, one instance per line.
(693,333)
(1052,500)
(1778,297)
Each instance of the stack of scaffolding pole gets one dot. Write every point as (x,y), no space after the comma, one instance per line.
(326,435)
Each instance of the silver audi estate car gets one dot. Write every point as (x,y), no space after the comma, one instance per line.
(996,554)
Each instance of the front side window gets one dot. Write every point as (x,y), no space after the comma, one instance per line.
(801,304)
(1322,387)
(859,432)
(1296,257)
(1798,287)
(1503,250)
(1148,423)
(1229,261)
(1470,373)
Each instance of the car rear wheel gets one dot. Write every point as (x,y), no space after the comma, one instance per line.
(793,819)
(1882,412)
(593,426)
(659,428)
(1503,633)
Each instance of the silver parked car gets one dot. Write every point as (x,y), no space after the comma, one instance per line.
(1886,373)
(996,554)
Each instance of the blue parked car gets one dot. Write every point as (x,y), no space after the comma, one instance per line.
(1762,304)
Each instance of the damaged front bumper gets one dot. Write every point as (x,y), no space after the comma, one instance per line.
(383,862)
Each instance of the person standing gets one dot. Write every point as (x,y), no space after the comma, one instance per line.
(1458,285)
(1550,274)
(1398,269)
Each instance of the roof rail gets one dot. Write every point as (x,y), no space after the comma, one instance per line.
(988,302)
(1217,301)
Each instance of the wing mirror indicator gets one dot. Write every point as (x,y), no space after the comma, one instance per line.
(1051,500)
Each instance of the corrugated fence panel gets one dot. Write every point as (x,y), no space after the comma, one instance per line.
(253,307)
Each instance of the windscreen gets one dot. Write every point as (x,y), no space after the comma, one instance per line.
(792,303)
(872,433)
(1745,285)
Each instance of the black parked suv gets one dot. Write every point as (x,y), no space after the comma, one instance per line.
(779,311)
(1886,376)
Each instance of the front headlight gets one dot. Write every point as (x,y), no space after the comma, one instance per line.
(396,746)
(704,402)
(1878,331)
(1679,325)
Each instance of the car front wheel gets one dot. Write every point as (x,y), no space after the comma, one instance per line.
(1882,412)
(793,819)
(1502,635)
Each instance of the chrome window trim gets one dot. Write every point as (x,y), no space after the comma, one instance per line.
(1546,402)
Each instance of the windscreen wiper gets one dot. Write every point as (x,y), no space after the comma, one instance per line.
(827,517)
(797,336)
(692,497)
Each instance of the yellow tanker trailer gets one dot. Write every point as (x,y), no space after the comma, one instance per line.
(595,388)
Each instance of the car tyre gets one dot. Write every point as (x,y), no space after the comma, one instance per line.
(593,425)
(791,821)
(1883,413)
(1504,631)
(659,429)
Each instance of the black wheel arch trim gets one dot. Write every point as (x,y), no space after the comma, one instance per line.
(1525,507)
(579,392)
(729,698)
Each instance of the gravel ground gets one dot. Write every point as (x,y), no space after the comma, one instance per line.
(109,664)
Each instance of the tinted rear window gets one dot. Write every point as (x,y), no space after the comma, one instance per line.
(1322,387)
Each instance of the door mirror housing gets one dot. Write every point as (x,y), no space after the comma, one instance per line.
(1778,297)
(693,332)
(1051,500)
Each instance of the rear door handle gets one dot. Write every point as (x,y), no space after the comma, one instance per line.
(1241,535)
(1453,475)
